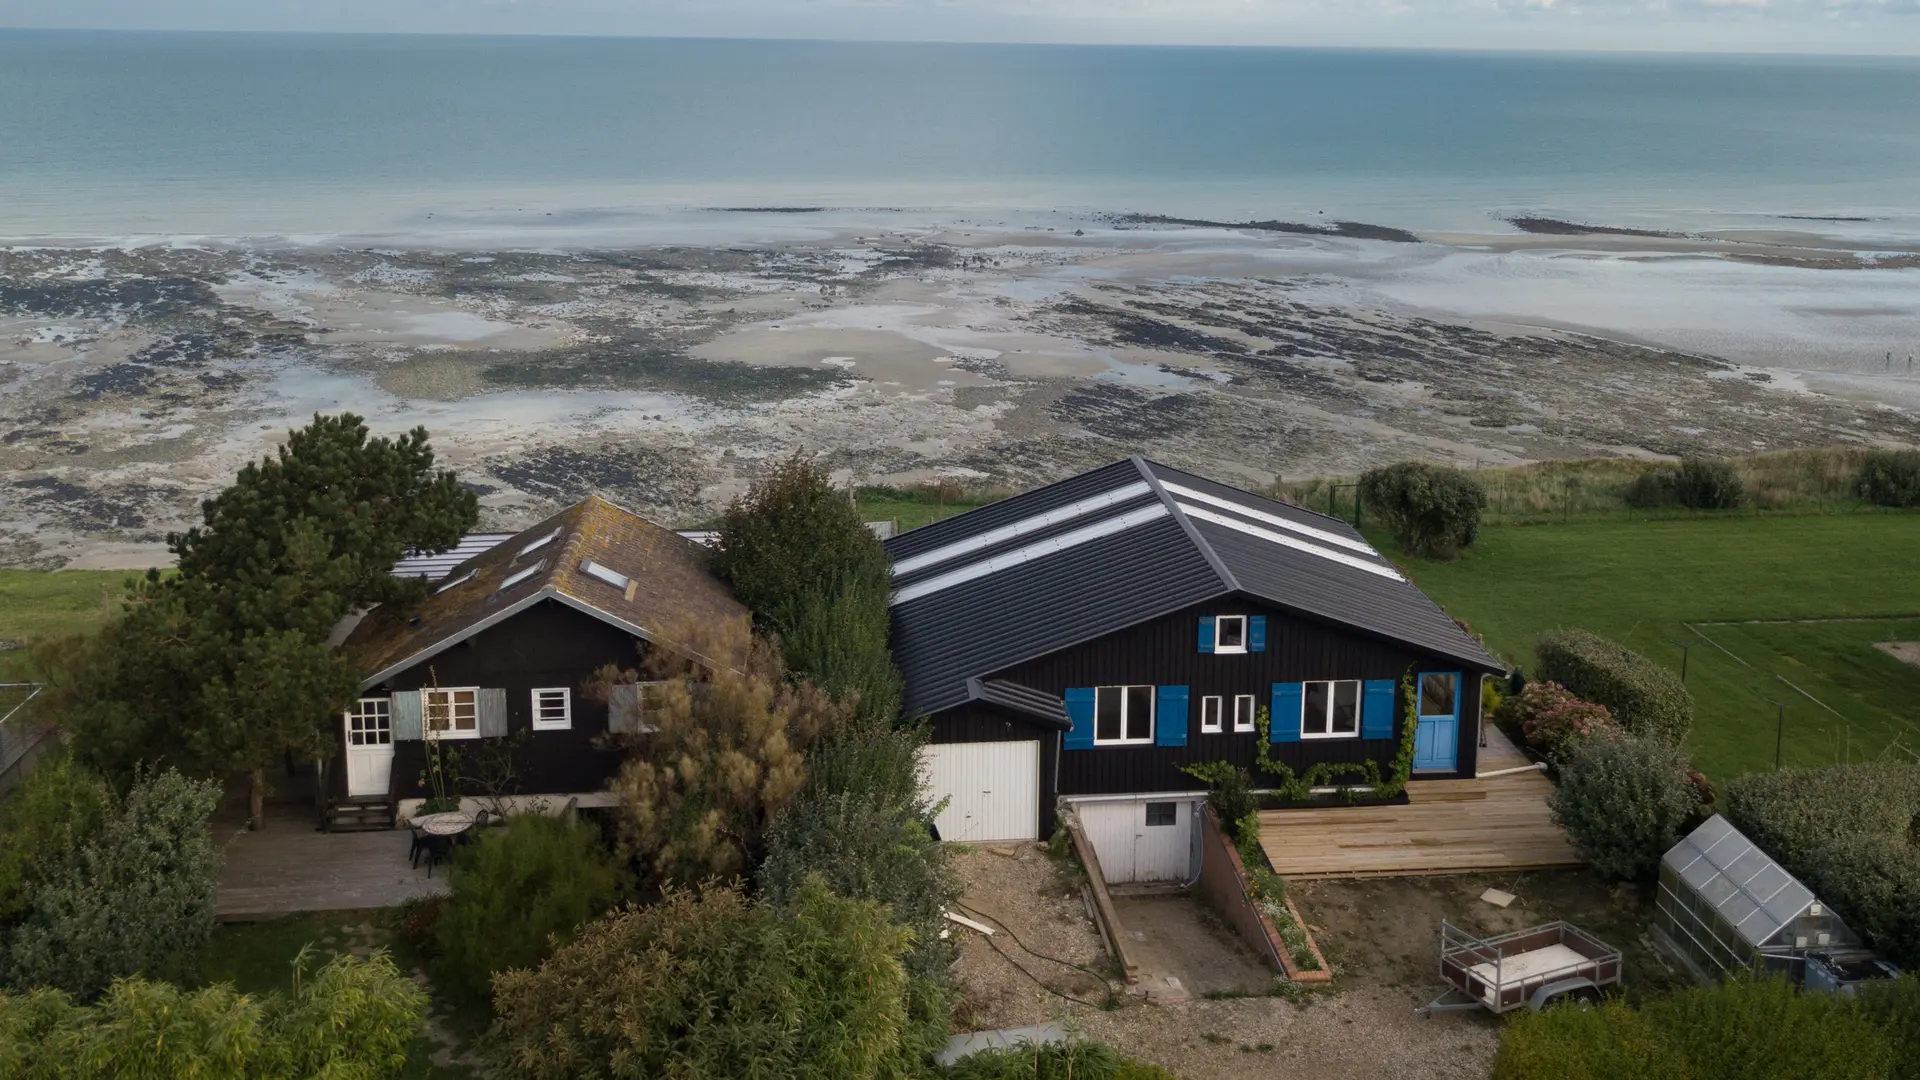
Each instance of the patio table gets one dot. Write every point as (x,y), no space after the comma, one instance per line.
(451,823)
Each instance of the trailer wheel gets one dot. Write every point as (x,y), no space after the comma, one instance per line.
(1579,993)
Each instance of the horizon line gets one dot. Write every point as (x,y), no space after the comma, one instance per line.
(1549,50)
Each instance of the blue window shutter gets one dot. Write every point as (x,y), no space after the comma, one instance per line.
(1206,633)
(1284,720)
(1170,716)
(1080,711)
(1376,709)
(406,716)
(1256,633)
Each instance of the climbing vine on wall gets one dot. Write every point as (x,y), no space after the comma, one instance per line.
(1298,787)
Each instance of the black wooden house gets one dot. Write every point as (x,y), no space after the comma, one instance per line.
(1083,641)
(504,644)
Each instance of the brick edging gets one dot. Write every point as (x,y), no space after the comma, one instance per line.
(1274,941)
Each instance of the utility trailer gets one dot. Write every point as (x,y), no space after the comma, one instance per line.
(1531,968)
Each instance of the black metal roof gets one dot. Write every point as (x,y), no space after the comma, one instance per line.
(1019,698)
(1114,547)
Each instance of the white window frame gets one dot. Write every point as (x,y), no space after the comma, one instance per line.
(535,545)
(1243,712)
(542,710)
(1326,719)
(1126,722)
(1219,624)
(366,709)
(461,580)
(427,730)
(1210,709)
(604,574)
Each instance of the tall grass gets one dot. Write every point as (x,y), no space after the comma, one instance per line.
(1820,479)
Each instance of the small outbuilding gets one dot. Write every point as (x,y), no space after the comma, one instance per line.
(1727,908)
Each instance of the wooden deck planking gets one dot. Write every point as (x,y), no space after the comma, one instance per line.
(1446,826)
(289,868)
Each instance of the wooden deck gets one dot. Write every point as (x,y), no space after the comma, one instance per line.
(288,869)
(1446,827)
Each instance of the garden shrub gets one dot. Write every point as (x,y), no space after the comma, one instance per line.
(1890,478)
(835,637)
(792,533)
(419,921)
(1844,831)
(44,821)
(1432,510)
(710,984)
(1744,1029)
(517,892)
(1650,491)
(1643,697)
(1075,1059)
(1623,803)
(1552,720)
(1229,792)
(353,1019)
(137,899)
(1706,484)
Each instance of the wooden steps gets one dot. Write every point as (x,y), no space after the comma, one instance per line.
(367,814)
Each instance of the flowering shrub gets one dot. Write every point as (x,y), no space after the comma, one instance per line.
(1554,722)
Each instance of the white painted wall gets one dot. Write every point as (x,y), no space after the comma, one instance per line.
(992,789)
(1130,850)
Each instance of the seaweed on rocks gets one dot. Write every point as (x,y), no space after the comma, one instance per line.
(1353,230)
(1542,226)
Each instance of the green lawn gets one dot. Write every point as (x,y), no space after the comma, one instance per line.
(1640,582)
(34,604)
(911,510)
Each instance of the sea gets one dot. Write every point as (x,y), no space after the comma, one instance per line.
(120,137)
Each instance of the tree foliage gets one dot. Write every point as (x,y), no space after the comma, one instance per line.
(860,825)
(226,664)
(1643,697)
(710,984)
(723,753)
(44,821)
(1890,478)
(352,1019)
(1623,803)
(518,893)
(1432,510)
(1848,832)
(792,533)
(138,898)
(835,636)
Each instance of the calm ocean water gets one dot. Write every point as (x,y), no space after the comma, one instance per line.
(121,134)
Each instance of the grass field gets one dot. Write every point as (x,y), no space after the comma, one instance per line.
(1649,584)
(36,604)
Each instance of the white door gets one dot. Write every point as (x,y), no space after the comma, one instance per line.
(992,789)
(1140,840)
(369,746)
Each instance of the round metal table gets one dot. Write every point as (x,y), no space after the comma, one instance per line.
(451,823)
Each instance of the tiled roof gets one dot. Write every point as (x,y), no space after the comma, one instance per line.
(1111,548)
(649,578)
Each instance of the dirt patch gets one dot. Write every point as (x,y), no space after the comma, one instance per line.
(1363,1028)
(1907,652)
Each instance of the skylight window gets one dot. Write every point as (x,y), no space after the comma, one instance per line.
(536,545)
(519,576)
(605,573)
(461,580)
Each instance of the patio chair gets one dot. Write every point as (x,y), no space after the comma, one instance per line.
(413,849)
(480,821)
(438,849)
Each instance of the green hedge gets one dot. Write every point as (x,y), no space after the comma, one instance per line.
(1623,802)
(1760,1029)
(1845,831)
(1075,1059)
(1644,697)
(1890,478)
(1431,510)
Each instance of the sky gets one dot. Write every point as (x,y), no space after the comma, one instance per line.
(1842,26)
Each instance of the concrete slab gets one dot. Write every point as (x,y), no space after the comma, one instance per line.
(973,1042)
(1185,949)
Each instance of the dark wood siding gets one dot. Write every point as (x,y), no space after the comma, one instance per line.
(547,645)
(986,723)
(1165,652)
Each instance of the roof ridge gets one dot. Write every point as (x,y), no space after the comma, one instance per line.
(1227,580)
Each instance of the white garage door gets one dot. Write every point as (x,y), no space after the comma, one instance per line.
(1144,840)
(992,789)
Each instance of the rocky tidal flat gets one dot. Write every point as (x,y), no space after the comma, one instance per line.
(134,381)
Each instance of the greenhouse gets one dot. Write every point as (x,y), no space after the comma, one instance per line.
(1727,908)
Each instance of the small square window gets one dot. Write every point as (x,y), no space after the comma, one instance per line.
(553,709)
(1230,634)
(1243,712)
(1162,813)
(1210,713)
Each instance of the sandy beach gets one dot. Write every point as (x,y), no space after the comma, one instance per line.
(135,380)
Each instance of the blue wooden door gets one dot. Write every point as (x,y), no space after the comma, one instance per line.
(1436,743)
